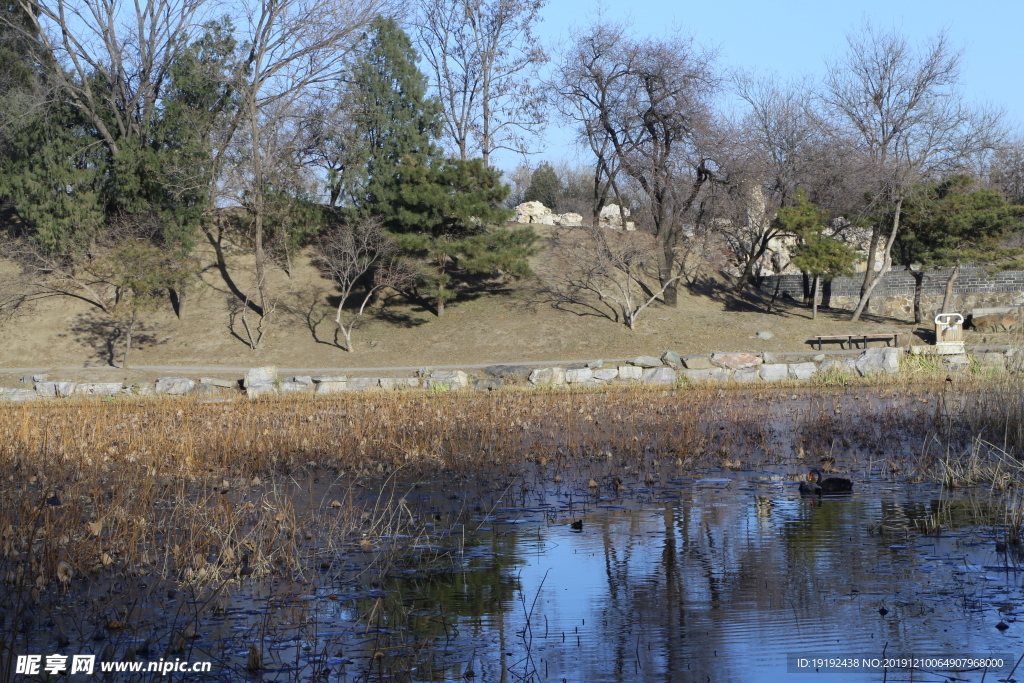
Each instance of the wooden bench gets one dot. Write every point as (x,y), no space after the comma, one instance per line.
(854,339)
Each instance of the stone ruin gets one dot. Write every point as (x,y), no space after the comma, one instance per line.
(536,213)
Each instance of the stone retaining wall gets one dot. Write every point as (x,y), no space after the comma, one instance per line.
(894,295)
(669,370)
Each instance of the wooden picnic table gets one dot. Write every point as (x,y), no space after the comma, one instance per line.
(858,337)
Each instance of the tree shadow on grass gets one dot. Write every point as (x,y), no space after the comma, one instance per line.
(106,337)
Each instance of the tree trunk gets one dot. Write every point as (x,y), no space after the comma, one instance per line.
(814,297)
(918,286)
(128,339)
(886,264)
(666,261)
(872,251)
(948,296)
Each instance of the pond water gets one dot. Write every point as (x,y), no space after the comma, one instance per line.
(719,576)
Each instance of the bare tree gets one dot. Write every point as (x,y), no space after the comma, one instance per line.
(607,273)
(903,107)
(356,254)
(645,107)
(297,49)
(483,58)
(771,152)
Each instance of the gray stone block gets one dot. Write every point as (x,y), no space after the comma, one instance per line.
(215,382)
(578,375)
(697,362)
(55,389)
(595,364)
(32,379)
(287,387)
(672,359)
(262,389)
(706,374)
(547,377)
(262,375)
(455,379)
(174,386)
(630,372)
(329,378)
(606,374)
(323,387)
(991,359)
(746,375)
(879,360)
(646,362)
(399,382)
(520,371)
(19,395)
(734,361)
(802,370)
(659,376)
(764,334)
(203,390)
(300,379)
(98,389)
(363,383)
(769,358)
(489,384)
(774,372)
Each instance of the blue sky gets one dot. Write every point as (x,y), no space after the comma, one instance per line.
(795,37)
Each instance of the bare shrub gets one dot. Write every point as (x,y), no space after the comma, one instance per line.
(594,271)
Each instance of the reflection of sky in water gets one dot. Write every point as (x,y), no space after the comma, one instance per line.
(716,586)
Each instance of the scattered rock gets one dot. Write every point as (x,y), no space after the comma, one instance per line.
(489,384)
(769,358)
(734,361)
(173,386)
(659,376)
(774,372)
(818,358)
(32,379)
(548,377)
(802,370)
(606,374)
(763,334)
(262,375)
(630,372)
(520,371)
(646,362)
(672,359)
